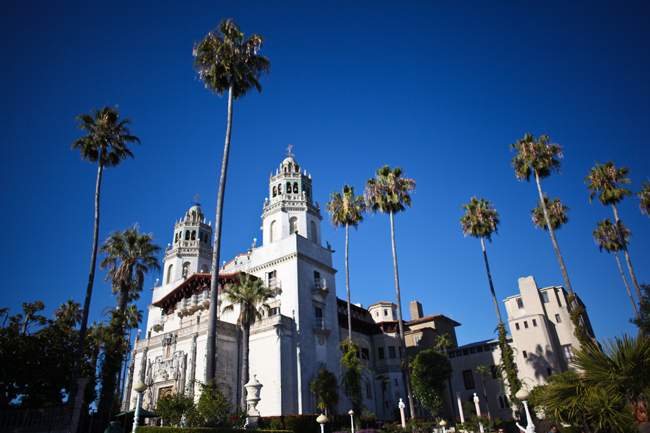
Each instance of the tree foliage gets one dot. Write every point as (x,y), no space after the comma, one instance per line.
(508,362)
(324,387)
(643,321)
(644,195)
(172,407)
(556,210)
(352,374)
(215,404)
(431,371)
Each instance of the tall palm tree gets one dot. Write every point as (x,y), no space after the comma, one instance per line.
(481,221)
(129,256)
(389,192)
(608,180)
(106,145)
(541,158)
(251,296)
(133,320)
(608,239)
(644,195)
(224,61)
(346,210)
(484,371)
(69,312)
(97,334)
(557,211)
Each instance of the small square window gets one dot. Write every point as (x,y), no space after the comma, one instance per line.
(517,326)
(525,324)
(568,353)
(558,319)
(479,349)
(545,297)
(472,350)
(534,322)
(525,354)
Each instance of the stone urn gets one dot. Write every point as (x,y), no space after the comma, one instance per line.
(253,388)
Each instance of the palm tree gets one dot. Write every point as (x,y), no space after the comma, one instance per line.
(133,320)
(444,342)
(106,142)
(556,210)
(69,313)
(607,238)
(130,255)
(540,158)
(644,195)
(346,210)
(480,222)
(387,193)
(484,371)
(251,296)
(608,180)
(224,61)
(97,333)
(621,368)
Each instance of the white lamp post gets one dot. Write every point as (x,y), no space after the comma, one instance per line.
(478,412)
(351,413)
(523,395)
(401,406)
(443,424)
(322,419)
(140,388)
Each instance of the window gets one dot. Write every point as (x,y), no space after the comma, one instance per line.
(517,326)
(416,340)
(385,313)
(503,402)
(452,354)
(469,379)
(380,353)
(534,322)
(545,297)
(273,311)
(377,314)
(368,391)
(558,319)
(293,225)
(391,352)
(465,351)
(568,353)
(365,354)
(314,233)
(525,324)
(274,231)
(525,354)
(495,372)
(520,303)
(472,350)
(549,371)
(169,273)
(395,382)
(479,349)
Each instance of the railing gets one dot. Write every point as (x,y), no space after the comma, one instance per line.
(319,323)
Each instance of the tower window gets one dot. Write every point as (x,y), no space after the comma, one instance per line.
(169,273)
(187,235)
(558,319)
(525,324)
(275,191)
(193,235)
(380,353)
(517,326)
(274,231)
(525,354)
(295,187)
(293,225)
(534,322)
(288,187)
(520,303)
(314,233)
(545,297)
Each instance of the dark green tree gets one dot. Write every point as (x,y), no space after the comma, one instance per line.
(215,403)
(251,296)
(324,388)
(431,371)
(106,145)
(353,374)
(172,407)
(346,210)
(508,362)
(389,192)
(643,321)
(226,61)
(644,195)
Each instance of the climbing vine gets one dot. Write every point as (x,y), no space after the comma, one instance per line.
(508,363)
(578,328)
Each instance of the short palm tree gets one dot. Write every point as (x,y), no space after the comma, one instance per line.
(621,368)
(129,256)
(644,195)
(607,181)
(540,158)
(481,221)
(557,212)
(484,371)
(389,192)
(106,145)
(97,334)
(69,313)
(226,61)
(251,296)
(346,210)
(608,239)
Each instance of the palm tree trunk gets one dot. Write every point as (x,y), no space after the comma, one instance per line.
(627,255)
(246,328)
(399,317)
(557,249)
(485,397)
(211,351)
(494,296)
(620,268)
(347,280)
(89,290)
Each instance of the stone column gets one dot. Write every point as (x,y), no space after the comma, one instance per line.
(129,383)
(192,375)
(460,408)
(143,364)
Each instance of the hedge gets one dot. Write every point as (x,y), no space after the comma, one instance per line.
(153,429)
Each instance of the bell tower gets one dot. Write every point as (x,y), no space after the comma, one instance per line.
(289,209)
(191,250)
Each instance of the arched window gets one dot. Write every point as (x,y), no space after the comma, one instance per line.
(314,233)
(187,235)
(169,273)
(275,191)
(274,231)
(520,303)
(295,187)
(193,235)
(175,237)
(293,225)
(279,189)
(204,269)
(187,267)
(288,187)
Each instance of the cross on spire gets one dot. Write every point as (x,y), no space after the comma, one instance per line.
(289,150)
(196,201)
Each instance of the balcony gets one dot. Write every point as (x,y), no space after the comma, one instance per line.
(321,330)
(159,323)
(320,288)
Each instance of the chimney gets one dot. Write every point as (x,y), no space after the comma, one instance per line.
(416,310)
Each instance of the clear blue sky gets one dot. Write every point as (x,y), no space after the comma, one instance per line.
(439,88)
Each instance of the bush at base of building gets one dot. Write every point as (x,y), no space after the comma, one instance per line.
(149,429)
